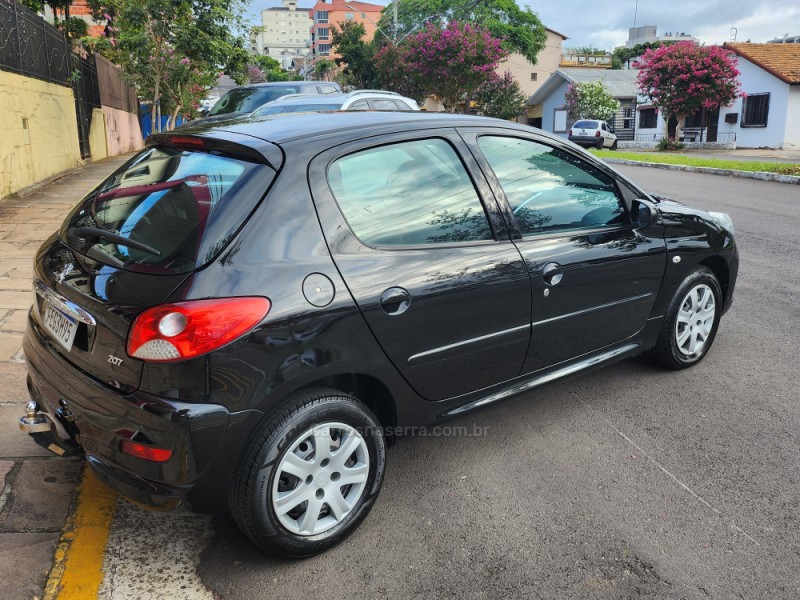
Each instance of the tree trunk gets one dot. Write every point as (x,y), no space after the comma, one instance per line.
(679,127)
(174,117)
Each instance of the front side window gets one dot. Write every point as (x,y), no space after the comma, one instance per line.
(381,104)
(247,99)
(550,190)
(755,110)
(410,193)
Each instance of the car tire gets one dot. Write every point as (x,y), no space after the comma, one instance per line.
(614,145)
(599,144)
(292,465)
(690,322)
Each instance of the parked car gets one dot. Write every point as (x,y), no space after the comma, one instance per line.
(357,100)
(593,134)
(245,99)
(246,314)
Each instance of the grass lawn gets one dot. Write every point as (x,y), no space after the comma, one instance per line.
(716,163)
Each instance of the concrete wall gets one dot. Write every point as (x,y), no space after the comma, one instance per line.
(546,64)
(123,133)
(97,135)
(791,139)
(756,80)
(44,145)
(549,106)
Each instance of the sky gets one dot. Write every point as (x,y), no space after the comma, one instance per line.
(604,24)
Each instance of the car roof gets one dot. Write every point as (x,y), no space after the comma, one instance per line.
(333,98)
(285,128)
(282,84)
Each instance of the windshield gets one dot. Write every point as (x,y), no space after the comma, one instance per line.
(278,109)
(247,99)
(167,211)
(585,125)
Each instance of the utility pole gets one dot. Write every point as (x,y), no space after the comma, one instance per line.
(394,21)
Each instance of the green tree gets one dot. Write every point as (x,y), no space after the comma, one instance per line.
(395,73)
(151,36)
(590,100)
(501,97)
(270,70)
(323,68)
(355,59)
(519,28)
(453,61)
(624,56)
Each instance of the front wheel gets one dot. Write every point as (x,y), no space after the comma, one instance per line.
(309,475)
(614,145)
(691,321)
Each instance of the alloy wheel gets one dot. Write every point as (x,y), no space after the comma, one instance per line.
(695,321)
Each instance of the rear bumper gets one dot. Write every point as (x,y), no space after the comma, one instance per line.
(585,140)
(205,439)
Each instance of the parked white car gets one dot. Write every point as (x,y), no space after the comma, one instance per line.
(593,134)
(357,100)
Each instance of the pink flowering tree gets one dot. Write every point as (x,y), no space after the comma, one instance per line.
(454,60)
(682,78)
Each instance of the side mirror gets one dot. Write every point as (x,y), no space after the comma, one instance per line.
(643,214)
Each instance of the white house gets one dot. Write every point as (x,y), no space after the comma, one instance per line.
(549,100)
(766,116)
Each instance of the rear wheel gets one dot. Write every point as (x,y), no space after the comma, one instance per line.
(599,144)
(691,321)
(310,474)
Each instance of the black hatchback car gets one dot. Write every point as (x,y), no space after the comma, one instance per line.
(246,314)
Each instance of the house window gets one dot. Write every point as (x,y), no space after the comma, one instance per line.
(323,49)
(323,32)
(755,109)
(534,76)
(321,16)
(648,118)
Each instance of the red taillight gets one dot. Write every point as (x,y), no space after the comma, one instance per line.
(145,452)
(597,133)
(172,332)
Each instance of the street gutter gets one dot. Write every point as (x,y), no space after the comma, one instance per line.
(760,175)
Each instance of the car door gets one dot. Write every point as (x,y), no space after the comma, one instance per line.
(417,236)
(594,276)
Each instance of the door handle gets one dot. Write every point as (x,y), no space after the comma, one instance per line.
(395,301)
(552,273)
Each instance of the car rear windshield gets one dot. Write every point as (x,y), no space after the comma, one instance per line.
(247,99)
(585,125)
(167,211)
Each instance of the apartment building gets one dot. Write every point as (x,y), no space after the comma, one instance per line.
(325,14)
(285,32)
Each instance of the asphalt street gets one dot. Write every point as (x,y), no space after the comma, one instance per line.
(624,483)
(629,482)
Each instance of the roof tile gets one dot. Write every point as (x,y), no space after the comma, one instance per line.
(782,60)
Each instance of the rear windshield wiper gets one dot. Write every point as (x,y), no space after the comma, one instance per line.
(116,238)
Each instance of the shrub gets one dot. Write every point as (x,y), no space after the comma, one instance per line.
(668,145)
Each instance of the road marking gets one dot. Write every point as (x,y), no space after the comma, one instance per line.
(78,564)
(664,470)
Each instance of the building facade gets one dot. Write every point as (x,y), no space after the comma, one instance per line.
(285,33)
(325,15)
(649,33)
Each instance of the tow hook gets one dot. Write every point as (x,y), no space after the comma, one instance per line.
(42,430)
(34,421)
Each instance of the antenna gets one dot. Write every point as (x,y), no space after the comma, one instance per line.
(734,33)
(635,12)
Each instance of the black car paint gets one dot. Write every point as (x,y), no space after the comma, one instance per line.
(205,408)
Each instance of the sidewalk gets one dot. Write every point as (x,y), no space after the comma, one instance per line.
(36,488)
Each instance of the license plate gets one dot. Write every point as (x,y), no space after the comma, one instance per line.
(62,327)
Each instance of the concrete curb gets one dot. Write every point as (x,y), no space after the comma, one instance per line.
(760,175)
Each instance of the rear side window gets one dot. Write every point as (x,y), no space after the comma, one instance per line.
(585,125)
(168,211)
(409,193)
(383,104)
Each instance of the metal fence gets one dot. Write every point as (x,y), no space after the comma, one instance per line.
(114,90)
(87,97)
(30,46)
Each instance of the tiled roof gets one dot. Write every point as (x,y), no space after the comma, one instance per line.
(782,60)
